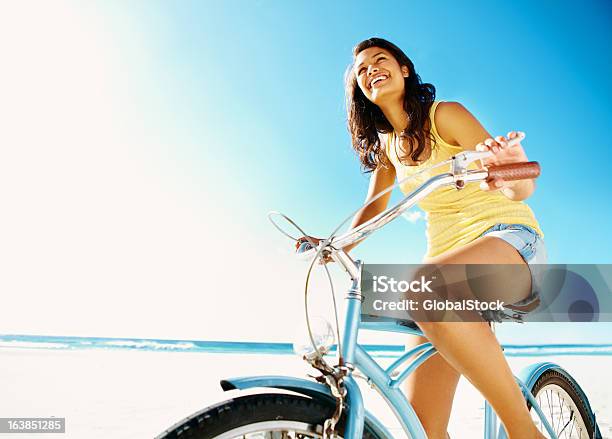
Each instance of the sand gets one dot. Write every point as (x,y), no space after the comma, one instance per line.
(133,394)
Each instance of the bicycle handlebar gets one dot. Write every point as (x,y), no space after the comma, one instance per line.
(515,171)
(458,177)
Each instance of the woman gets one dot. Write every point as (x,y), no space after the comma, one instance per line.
(397,128)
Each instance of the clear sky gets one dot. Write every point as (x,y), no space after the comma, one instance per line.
(144,142)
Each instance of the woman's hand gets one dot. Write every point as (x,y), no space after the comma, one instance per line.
(502,155)
(311,239)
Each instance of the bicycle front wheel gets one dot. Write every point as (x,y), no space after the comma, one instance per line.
(261,416)
(564,405)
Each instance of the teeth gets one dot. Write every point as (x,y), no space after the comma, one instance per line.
(378,78)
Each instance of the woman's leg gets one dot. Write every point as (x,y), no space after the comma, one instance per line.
(472,349)
(430,390)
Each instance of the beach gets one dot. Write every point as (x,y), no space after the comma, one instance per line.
(124,394)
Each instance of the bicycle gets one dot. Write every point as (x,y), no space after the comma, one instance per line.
(332,404)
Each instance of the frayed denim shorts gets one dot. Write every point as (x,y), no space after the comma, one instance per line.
(530,246)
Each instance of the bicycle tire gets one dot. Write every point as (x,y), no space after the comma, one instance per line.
(238,414)
(553,380)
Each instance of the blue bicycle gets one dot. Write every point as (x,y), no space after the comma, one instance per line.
(332,404)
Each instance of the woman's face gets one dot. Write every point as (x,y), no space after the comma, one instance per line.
(379,75)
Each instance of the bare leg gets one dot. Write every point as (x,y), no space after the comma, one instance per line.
(430,390)
(472,349)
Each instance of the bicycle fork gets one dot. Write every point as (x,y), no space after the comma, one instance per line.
(355,414)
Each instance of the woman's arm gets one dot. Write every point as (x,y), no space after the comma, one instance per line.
(380,180)
(458,126)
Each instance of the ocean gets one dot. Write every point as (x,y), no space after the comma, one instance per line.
(126,388)
(237,347)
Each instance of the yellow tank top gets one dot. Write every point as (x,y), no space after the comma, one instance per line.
(456,217)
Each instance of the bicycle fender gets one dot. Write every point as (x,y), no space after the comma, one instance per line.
(299,385)
(530,374)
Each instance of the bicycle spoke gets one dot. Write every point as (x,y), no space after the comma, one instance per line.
(564,427)
(561,412)
(539,418)
(573,423)
(277,434)
(552,419)
(562,417)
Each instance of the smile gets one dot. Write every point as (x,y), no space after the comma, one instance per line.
(378,79)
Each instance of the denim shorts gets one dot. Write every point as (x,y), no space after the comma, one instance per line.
(530,246)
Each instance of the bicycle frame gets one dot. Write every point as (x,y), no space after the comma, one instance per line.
(340,384)
(387,381)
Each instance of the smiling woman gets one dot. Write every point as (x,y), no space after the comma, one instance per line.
(383,70)
(398,129)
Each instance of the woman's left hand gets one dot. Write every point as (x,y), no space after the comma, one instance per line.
(502,154)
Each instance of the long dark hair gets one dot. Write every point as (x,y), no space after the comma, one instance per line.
(366,120)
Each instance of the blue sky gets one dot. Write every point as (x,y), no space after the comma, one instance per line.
(260,84)
(231,109)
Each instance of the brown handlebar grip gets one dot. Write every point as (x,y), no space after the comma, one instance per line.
(514,171)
